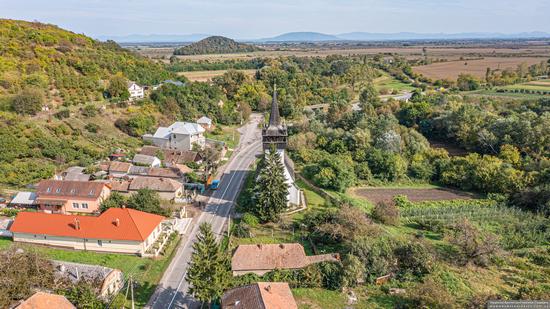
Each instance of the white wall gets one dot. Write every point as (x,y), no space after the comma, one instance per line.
(118,246)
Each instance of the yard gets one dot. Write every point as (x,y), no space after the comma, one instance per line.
(145,271)
(227,134)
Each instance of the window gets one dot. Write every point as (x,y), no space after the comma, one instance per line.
(73,191)
(85,205)
(75,205)
(92,192)
(49,190)
(100,242)
(57,190)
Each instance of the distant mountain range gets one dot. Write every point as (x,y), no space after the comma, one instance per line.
(323,37)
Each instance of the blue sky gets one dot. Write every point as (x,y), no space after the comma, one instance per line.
(262,18)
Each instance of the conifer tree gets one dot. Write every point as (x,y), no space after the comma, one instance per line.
(209,270)
(271,189)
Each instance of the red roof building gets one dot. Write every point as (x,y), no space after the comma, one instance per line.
(121,230)
(67,196)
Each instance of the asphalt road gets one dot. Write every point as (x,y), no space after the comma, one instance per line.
(172,290)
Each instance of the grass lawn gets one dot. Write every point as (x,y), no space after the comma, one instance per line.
(145,271)
(318,298)
(386,83)
(228,134)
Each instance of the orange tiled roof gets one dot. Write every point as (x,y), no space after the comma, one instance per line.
(275,256)
(41,300)
(268,295)
(132,224)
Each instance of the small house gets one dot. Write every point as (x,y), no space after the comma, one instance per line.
(145,160)
(205,122)
(182,136)
(136,91)
(67,196)
(263,258)
(42,300)
(266,295)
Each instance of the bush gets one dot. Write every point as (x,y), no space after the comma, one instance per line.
(414,258)
(62,114)
(92,127)
(431,294)
(89,110)
(474,245)
(250,219)
(28,102)
(386,213)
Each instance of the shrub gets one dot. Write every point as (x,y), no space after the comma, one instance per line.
(28,102)
(386,213)
(430,294)
(89,110)
(62,114)
(414,258)
(92,127)
(474,245)
(250,219)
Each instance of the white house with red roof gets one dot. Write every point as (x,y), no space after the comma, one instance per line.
(120,230)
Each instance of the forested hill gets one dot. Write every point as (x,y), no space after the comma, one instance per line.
(69,68)
(215,45)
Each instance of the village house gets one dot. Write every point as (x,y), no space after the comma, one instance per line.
(119,230)
(136,91)
(168,189)
(145,160)
(73,173)
(118,169)
(205,122)
(24,200)
(172,172)
(64,196)
(264,295)
(263,258)
(173,157)
(110,280)
(180,136)
(43,300)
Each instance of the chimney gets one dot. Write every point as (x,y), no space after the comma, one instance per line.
(76,224)
(282,246)
(260,246)
(116,222)
(61,268)
(268,288)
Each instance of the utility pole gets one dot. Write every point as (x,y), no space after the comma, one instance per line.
(132,291)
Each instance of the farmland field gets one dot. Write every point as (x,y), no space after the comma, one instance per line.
(204,76)
(451,69)
(539,85)
(448,52)
(375,195)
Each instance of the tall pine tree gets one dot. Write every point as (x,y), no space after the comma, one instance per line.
(271,189)
(209,271)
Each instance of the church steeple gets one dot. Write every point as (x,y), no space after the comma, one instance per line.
(275,132)
(274,117)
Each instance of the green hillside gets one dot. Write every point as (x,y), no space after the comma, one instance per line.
(215,45)
(43,64)
(68,68)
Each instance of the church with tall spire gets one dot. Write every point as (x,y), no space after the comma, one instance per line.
(275,136)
